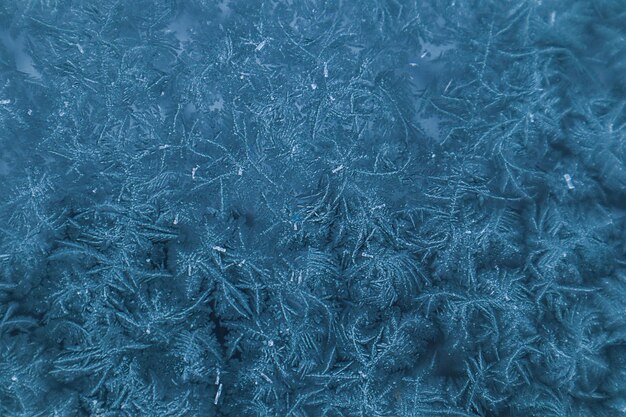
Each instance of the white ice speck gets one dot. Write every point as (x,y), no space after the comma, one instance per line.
(217,394)
(336,170)
(5,101)
(261,45)
(325,70)
(314,86)
(193,172)
(568,181)
(80,48)
(219,249)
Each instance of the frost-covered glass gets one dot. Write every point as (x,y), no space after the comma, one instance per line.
(312,208)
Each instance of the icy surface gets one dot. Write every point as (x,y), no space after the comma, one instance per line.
(312,208)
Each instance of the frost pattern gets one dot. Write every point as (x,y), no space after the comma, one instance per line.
(312,208)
